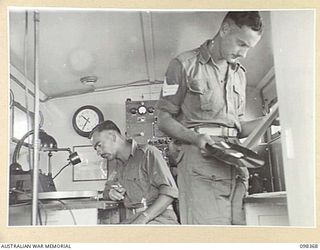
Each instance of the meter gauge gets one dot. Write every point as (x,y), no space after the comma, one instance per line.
(133,111)
(142,110)
(150,110)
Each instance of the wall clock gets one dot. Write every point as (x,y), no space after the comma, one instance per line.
(85,119)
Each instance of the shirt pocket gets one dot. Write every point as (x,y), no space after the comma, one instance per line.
(238,99)
(202,94)
(136,188)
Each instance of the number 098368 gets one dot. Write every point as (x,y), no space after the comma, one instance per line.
(309,246)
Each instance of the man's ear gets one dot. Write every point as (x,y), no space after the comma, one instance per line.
(224,29)
(112,134)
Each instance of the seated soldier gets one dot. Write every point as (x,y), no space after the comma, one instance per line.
(142,179)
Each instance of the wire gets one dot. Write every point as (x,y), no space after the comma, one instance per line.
(40,204)
(132,84)
(45,212)
(39,215)
(61,170)
(72,215)
(19,145)
(105,89)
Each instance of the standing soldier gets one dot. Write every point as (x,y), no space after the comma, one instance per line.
(202,102)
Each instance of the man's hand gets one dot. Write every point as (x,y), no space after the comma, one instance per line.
(117,192)
(202,140)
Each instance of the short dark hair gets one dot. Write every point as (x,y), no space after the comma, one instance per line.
(251,19)
(105,125)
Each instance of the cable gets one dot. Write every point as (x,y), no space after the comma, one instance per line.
(28,203)
(17,149)
(41,205)
(39,215)
(133,84)
(72,215)
(45,212)
(61,170)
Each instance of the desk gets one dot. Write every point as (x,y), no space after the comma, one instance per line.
(267,209)
(65,212)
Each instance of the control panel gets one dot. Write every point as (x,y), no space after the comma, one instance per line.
(141,124)
(141,121)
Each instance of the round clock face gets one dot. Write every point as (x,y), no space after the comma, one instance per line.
(85,119)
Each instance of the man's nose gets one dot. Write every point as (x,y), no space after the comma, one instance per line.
(98,151)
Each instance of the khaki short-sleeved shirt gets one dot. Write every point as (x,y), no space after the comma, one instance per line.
(195,93)
(145,176)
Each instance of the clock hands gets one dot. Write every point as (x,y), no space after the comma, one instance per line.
(87,121)
(84,125)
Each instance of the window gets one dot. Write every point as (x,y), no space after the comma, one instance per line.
(19,121)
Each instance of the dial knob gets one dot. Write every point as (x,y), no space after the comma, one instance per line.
(142,110)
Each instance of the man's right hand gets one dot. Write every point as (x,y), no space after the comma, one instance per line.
(117,194)
(202,140)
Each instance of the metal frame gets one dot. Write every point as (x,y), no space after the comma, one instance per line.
(34,216)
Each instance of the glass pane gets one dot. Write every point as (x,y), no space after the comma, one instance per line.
(20,123)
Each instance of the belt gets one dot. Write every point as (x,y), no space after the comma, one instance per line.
(216,131)
(141,209)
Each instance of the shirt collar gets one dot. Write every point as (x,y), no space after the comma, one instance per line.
(204,52)
(205,56)
(134,146)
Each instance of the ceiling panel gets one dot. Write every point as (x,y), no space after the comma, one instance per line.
(112,45)
(79,43)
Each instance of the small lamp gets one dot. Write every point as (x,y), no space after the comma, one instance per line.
(74,158)
(45,140)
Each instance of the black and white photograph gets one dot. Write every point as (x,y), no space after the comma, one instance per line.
(158,117)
